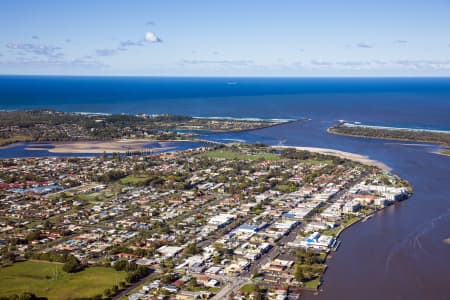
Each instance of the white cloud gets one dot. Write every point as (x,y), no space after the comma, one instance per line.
(106,52)
(49,51)
(152,38)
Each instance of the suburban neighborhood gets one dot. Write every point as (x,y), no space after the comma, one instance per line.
(220,222)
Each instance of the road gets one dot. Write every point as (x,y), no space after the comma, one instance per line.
(131,287)
(233,286)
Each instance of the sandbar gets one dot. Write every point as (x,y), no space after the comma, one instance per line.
(119,146)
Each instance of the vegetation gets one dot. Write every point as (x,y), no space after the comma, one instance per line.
(134,179)
(46,279)
(313,283)
(393,134)
(72,265)
(446,152)
(138,274)
(23,296)
(250,288)
(230,154)
(5,140)
(51,125)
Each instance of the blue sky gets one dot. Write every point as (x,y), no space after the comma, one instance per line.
(226,38)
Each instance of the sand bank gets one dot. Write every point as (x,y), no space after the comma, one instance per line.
(101,146)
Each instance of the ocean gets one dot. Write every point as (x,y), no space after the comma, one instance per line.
(399,102)
(400,253)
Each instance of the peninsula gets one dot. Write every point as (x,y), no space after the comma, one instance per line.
(237,219)
(439,137)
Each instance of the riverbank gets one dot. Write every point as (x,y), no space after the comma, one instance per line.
(342,154)
(441,138)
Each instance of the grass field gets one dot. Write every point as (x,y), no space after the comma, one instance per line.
(133,179)
(228,154)
(312,284)
(47,279)
(318,162)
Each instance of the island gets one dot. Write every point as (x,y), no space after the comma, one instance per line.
(244,220)
(439,137)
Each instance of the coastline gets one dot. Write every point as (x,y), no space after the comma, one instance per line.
(348,124)
(342,154)
(442,146)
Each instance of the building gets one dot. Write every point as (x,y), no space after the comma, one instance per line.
(314,241)
(351,207)
(169,251)
(221,220)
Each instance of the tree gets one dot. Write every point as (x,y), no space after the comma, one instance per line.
(107,293)
(33,236)
(115,289)
(192,249)
(120,265)
(298,273)
(72,265)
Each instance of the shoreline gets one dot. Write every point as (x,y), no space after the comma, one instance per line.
(442,147)
(263,123)
(342,154)
(349,124)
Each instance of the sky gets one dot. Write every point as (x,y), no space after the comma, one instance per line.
(225,38)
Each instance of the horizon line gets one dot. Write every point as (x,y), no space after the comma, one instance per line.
(226,76)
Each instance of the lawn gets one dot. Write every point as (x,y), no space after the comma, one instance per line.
(312,284)
(92,197)
(133,179)
(228,154)
(47,279)
(337,230)
(249,288)
(318,162)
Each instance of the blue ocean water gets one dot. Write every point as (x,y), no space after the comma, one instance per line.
(401,102)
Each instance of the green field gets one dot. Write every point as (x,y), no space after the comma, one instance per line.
(318,162)
(46,279)
(228,154)
(133,179)
(312,284)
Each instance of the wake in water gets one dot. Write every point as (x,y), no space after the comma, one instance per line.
(413,239)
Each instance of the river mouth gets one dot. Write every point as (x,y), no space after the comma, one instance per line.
(403,244)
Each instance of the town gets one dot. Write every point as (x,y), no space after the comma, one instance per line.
(235,221)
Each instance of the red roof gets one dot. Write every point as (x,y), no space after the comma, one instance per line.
(178,283)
